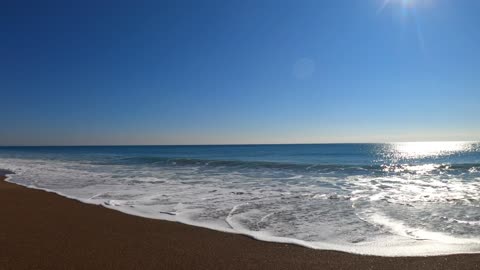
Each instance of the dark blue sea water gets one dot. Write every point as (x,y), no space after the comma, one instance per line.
(384,199)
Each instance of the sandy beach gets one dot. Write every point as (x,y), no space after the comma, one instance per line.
(41,230)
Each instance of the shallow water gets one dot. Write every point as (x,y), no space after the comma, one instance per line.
(382,199)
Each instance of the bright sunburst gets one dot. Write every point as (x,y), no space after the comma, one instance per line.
(408,9)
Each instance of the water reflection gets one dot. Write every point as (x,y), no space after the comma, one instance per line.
(414,150)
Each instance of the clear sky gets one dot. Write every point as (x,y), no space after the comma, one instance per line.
(247,71)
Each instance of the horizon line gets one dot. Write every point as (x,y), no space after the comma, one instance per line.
(239,144)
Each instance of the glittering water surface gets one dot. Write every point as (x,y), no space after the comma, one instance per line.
(384,199)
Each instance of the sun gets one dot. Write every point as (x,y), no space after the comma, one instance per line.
(410,12)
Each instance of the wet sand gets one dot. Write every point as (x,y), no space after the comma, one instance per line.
(42,230)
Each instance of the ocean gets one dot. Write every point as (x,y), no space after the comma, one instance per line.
(393,199)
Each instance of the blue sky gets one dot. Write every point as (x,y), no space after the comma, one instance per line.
(220,72)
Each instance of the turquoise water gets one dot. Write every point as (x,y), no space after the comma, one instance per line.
(383,199)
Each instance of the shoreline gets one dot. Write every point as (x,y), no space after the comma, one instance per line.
(37,224)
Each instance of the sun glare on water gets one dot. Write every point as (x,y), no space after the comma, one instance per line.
(428,149)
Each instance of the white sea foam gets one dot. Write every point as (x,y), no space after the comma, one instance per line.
(388,215)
